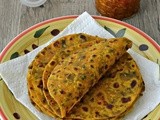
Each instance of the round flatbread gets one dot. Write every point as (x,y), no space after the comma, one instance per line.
(114,95)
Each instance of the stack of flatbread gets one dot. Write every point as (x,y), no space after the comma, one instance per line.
(80,76)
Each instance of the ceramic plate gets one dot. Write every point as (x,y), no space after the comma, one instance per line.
(40,33)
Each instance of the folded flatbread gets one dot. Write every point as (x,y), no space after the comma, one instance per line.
(36,69)
(114,95)
(72,78)
(56,59)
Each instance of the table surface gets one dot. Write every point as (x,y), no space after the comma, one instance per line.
(16,17)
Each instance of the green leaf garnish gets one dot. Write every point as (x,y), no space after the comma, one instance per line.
(83,77)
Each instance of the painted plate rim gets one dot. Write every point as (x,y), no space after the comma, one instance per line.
(155,44)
